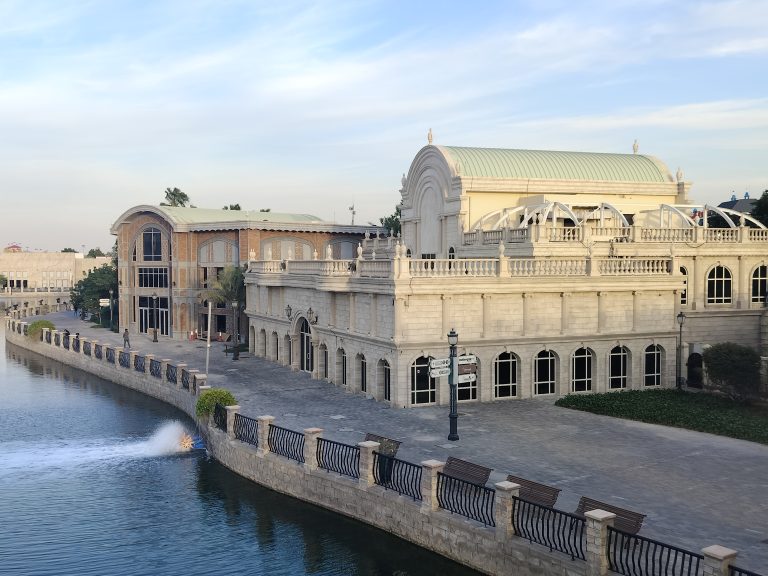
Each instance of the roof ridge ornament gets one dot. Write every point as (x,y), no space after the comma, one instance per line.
(679,174)
(429,137)
(635,147)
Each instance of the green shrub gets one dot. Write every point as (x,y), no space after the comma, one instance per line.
(210,398)
(36,328)
(733,370)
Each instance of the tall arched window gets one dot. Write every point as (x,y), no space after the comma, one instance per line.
(362,372)
(652,362)
(152,243)
(719,285)
(581,370)
(341,367)
(544,373)
(618,372)
(505,375)
(423,386)
(759,277)
(307,360)
(684,291)
(384,377)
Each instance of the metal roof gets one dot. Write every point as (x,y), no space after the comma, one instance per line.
(551,165)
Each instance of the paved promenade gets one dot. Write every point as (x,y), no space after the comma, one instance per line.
(696,489)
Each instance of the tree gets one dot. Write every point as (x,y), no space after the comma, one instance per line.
(760,208)
(96,285)
(69,250)
(265,209)
(175,197)
(734,370)
(95,253)
(392,222)
(232,207)
(229,287)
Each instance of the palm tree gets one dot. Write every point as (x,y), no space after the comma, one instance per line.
(175,197)
(229,289)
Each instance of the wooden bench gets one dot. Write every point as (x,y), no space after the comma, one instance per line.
(387,446)
(626,520)
(467,471)
(535,492)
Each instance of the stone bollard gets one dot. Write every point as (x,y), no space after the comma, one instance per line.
(365,467)
(132,359)
(429,471)
(310,447)
(502,511)
(179,369)
(45,331)
(148,363)
(597,541)
(192,381)
(201,381)
(164,369)
(264,422)
(231,411)
(717,560)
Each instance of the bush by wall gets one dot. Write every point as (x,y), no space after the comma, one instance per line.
(210,398)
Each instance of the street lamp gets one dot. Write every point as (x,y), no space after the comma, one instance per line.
(453,416)
(154,323)
(236,344)
(111,313)
(680,321)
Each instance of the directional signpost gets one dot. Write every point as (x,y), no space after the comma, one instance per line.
(104,302)
(438,372)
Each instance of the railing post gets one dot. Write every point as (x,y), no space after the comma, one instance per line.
(366,463)
(264,422)
(717,560)
(597,541)
(502,511)
(310,447)
(131,358)
(164,369)
(231,411)
(202,383)
(148,363)
(45,331)
(192,384)
(430,468)
(179,369)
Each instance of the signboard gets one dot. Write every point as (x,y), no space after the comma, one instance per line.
(104,302)
(463,379)
(467,369)
(468,359)
(440,363)
(437,372)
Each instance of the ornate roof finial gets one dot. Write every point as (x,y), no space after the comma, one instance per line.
(429,136)
(635,147)
(403,180)
(679,175)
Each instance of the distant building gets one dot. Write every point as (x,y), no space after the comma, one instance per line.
(45,271)
(744,204)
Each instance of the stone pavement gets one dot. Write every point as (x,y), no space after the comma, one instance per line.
(696,489)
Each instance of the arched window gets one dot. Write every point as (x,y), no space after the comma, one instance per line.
(581,370)
(544,373)
(467,391)
(288,346)
(684,291)
(618,372)
(384,376)
(362,372)
(505,375)
(152,242)
(307,360)
(759,277)
(275,347)
(263,343)
(652,373)
(422,385)
(341,367)
(451,253)
(719,285)
(324,356)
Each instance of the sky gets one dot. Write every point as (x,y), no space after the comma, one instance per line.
(313,107)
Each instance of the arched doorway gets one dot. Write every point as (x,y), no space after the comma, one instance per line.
(307,360)
(695,370)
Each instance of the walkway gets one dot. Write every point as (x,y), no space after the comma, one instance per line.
(697,489)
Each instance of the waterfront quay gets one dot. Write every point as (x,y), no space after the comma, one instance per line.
(696,489)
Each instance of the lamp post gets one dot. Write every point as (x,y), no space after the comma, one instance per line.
(236,343)
(111,313)
(453,416)
(680,321)
(154,323)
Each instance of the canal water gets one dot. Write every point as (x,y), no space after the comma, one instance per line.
(92,483)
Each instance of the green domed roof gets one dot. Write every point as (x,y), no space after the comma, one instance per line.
(551,165)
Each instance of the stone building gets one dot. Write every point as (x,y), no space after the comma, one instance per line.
(168,256)
(561,271)
(45,271)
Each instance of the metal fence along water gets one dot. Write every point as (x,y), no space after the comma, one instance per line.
(555,529)
(633,555)
(466,498)
(246,429)
(337,457)
(398,475)
(285,442)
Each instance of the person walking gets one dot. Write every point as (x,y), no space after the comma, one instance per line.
(126,339)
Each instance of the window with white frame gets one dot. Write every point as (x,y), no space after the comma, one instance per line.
(505,375)
(719,285)
(544,373)
(423,386)
(652,363)
(618,368)
(384,378)
(152,245)
(581,370)
(759,284)
(684,291)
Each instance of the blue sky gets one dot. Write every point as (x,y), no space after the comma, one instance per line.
(313,106)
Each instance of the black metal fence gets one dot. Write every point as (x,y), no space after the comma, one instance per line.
(155,368)
(220,416)
(555,529)
(466,498)
(337,457)
(185,379)
(87,348)
(398,475)
(736,571)
(246,429)
(124,359)
(98,351)
(170,373)
(284,442)
(633,555)
(110,355)
(139,364)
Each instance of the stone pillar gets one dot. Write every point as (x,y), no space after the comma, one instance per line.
(131,357)
(502,511)
(264,422)
(310,447)
(486,304)
(635,310)
(600,314)
(148,362)
(564,311)
(597,541)
(192,383)
(202,383)
(717,560)
(231,411)
(445,305)
(179,368)
(526,314)
(429,470)
(366,479)
(352,299)
(164,369)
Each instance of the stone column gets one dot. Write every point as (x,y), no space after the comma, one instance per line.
(192,383)
(502,511)
(148,362)
(597,541)
(264,422)
(202,383)
(717,560)
(429,470)
(164,369)
(131,358)
(231,411)
(600,315)
(635,309)
(526,314)
(565,298)
(486,304)
(366,479)
(310,447)
(179,368)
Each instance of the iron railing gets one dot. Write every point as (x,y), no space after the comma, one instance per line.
(110,355)
(139,364)
(633,555)
(76,344)
(246,429)
(170,373)
(98,351)
(65,341)
(57,339)
(736,571)
(284,442)
(48,337)
(555,529)
(337,457)
(124,359)
(398,475)
(87,348)
(155,368)
(185,379)
(466,498)
(220,416)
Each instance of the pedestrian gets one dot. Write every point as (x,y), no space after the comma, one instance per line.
(126,339)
